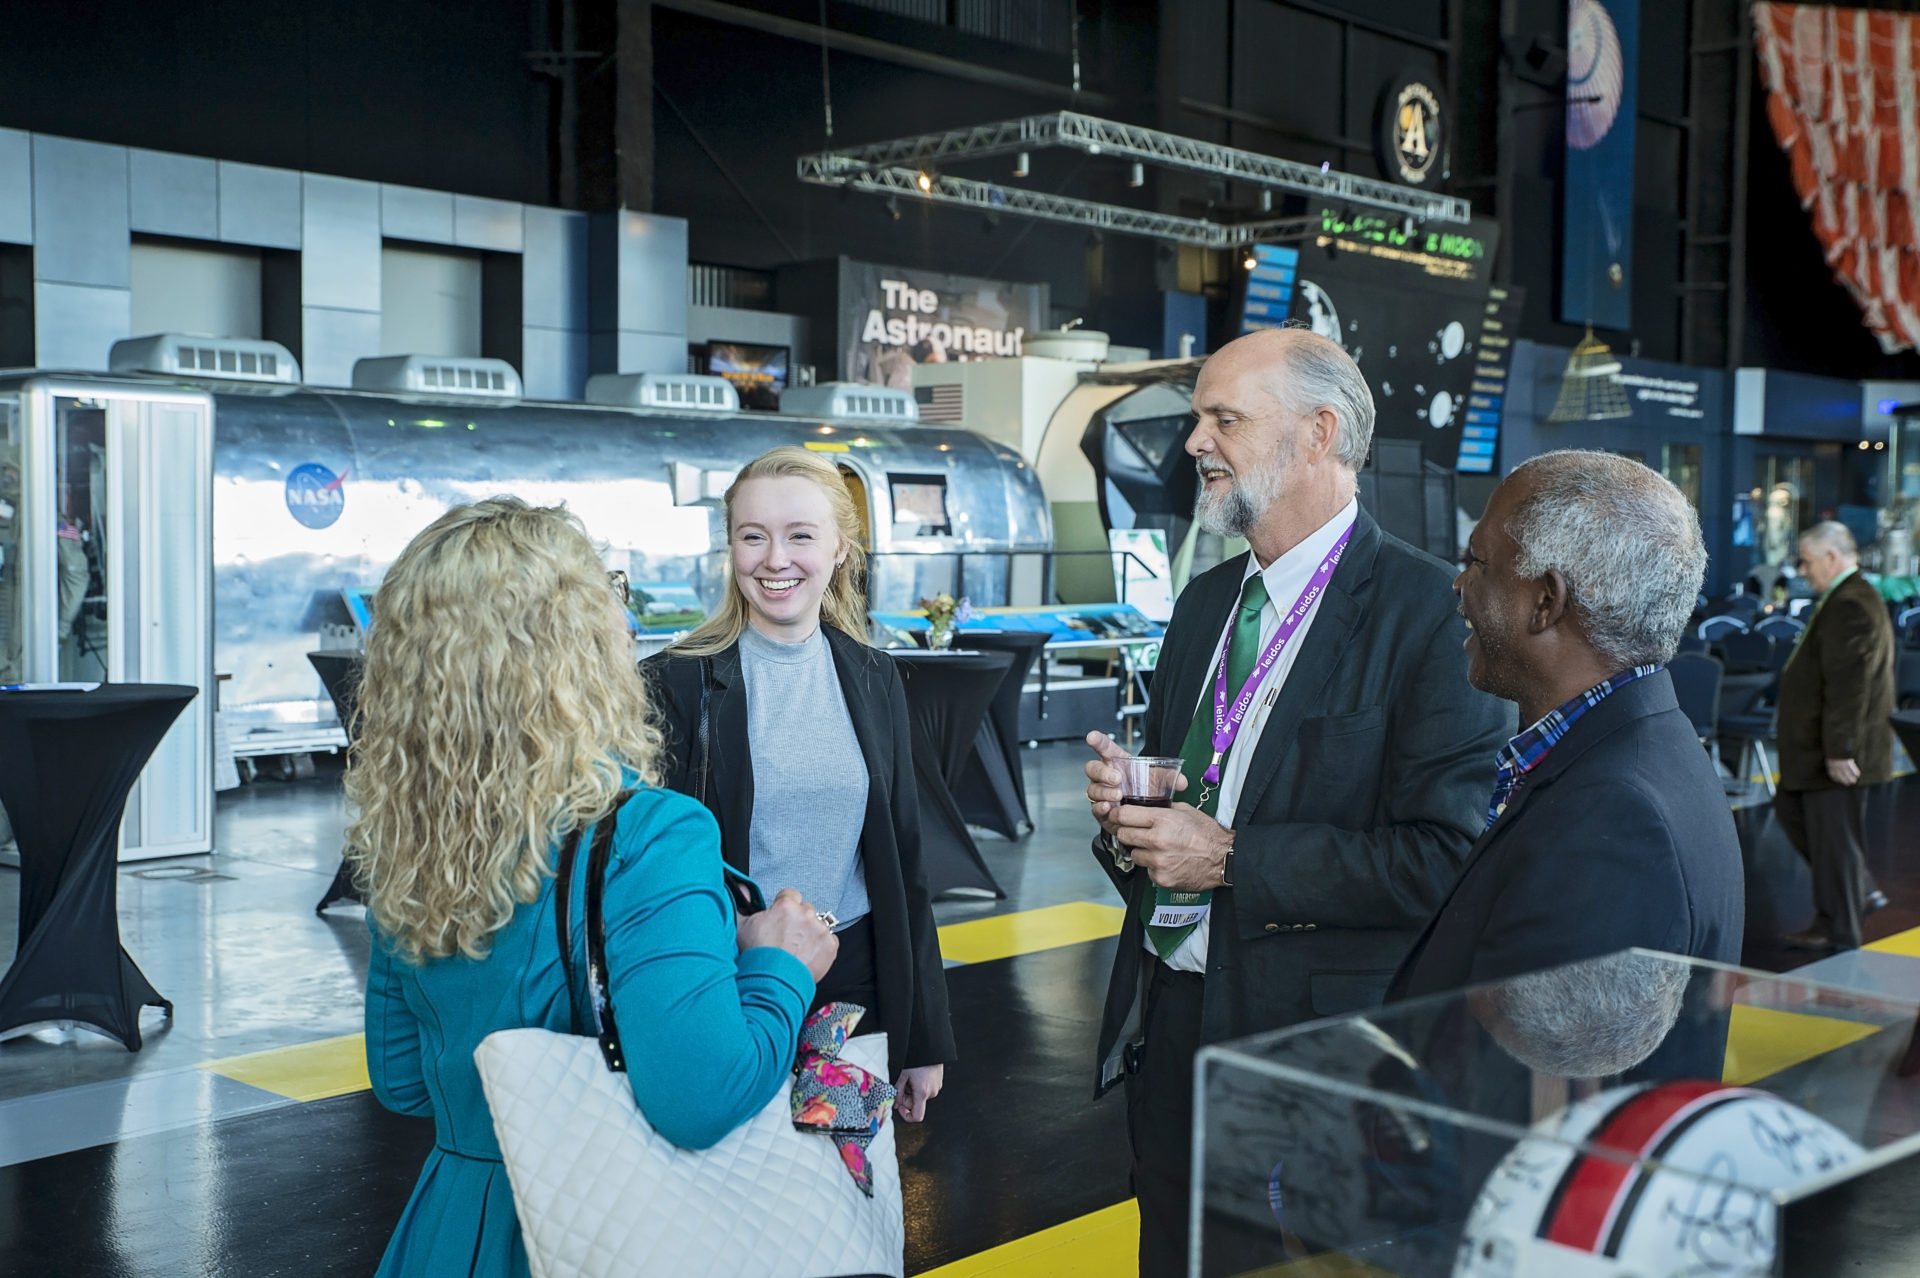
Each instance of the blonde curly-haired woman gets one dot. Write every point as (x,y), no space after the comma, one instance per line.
(500,711)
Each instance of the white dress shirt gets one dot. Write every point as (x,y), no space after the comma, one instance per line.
(1287,579)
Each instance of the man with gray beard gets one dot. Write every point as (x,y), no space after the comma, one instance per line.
(1336,761)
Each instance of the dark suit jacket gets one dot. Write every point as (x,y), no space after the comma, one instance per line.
(912,984)
(1837,692)
(1363,796)
(1620,837)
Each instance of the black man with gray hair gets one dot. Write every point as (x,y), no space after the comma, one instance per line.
(1836,739)
(1608,827)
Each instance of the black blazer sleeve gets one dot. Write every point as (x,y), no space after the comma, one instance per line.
(673,691)
(1435,750)
(930,1032)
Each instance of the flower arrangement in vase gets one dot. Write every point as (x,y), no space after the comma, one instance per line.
(943,614)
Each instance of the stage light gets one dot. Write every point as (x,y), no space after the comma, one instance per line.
(1020,165)
(1266,200)
(924,181)
(1250,261)
(1138,176)
(893,207)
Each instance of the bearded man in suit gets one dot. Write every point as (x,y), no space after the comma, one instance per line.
(1336,759)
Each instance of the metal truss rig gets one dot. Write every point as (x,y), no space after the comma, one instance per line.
(909,166)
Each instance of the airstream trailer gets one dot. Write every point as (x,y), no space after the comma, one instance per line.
(179,527)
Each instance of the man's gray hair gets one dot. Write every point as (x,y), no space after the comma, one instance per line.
(1831,535)
(1587,1020)
(1319,374)
(1627,543)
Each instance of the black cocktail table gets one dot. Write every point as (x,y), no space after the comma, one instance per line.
(340,672)
(67,761)
(947,698)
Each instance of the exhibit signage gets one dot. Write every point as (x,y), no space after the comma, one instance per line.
(1407,300)
(891,319)
(1596,247)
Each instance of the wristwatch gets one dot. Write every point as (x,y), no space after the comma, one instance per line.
(1122,859)
(1226,866)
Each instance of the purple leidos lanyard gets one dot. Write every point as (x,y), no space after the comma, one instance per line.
(1228,720)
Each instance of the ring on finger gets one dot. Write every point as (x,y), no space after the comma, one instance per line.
(826,919)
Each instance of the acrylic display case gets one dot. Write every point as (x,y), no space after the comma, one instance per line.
(1634,1115)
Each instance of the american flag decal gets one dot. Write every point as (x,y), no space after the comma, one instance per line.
(944,404)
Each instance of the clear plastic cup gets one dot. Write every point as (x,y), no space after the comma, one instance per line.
(1149,781)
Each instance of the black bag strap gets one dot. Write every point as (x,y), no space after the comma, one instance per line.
(563,918)
(599,997)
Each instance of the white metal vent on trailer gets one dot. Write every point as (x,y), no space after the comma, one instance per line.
(240,359)
(449,375)
(663,390)
(850,400)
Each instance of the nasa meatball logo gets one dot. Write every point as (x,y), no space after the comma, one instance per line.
(1409,132)
(315,495)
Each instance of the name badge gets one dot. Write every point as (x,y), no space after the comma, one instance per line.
(1180,909)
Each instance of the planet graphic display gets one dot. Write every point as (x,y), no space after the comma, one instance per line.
(1596,73)
(1321,312)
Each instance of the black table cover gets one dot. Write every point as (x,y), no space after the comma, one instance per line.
(67,761)
(947,698)
(992,788)
(1906,725)
(340,672)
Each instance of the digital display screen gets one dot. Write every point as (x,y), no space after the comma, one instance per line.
(921,500)
(758,373)
(1409,303)
(1269,286)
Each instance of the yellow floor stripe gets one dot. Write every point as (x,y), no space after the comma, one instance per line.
(1762,1041)
(305,1072)
(1028,931)
(1906,943)
(1103,1244)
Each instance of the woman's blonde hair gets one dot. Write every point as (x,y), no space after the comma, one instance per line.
(844,607)
(499,708)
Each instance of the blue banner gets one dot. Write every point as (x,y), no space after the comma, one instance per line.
(1596,249)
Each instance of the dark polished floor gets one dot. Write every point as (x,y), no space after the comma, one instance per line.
(1013,1147)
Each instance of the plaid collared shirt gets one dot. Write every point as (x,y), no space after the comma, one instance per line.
(1522,754)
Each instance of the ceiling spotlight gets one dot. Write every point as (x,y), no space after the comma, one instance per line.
(1249,262)
(1138,175)
(1020,165)
(1266,200)
(1863,445)
(893,206)
(924,181)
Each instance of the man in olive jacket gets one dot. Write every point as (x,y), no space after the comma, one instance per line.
(1836,739)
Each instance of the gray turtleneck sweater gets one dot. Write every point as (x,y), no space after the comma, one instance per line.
(809,777)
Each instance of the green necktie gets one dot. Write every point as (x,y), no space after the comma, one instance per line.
(1242,653)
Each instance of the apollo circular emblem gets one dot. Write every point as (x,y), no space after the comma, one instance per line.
(1410,132)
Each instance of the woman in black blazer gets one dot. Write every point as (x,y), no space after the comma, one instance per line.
(787,687)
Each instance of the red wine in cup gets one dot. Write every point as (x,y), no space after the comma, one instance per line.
(1148,800)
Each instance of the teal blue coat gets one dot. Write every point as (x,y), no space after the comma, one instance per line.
(689,1000)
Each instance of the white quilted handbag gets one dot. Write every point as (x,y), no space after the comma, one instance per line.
(601,1194)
